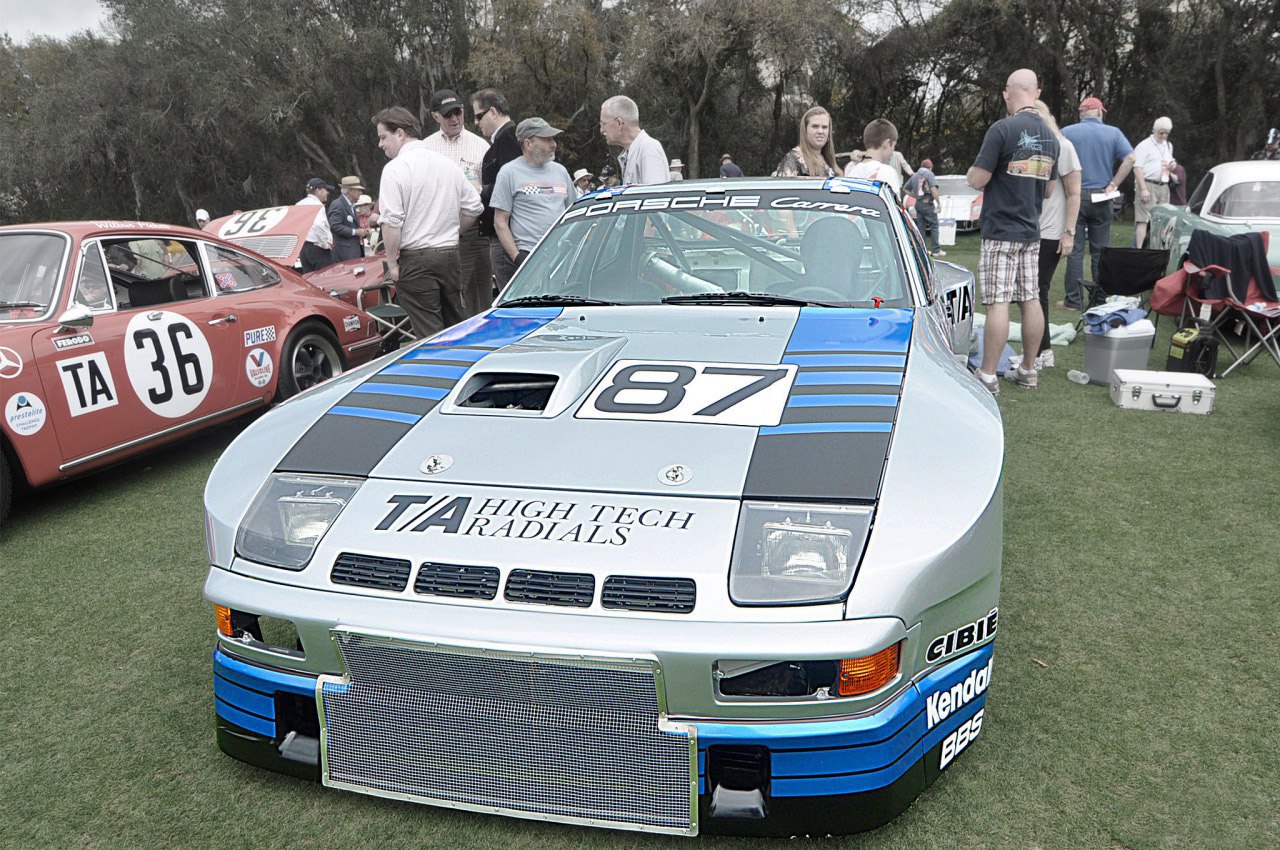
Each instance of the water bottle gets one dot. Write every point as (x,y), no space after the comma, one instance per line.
(1077,377)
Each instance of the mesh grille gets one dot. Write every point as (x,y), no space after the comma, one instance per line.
(275,247)
(461,582)
(548,588)
(640,593)
(552,738)
(370,571)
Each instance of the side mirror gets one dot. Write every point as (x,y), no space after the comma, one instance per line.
(76,316)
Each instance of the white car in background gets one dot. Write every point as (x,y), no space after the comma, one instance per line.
(957,200)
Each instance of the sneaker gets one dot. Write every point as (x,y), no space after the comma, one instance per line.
(991,382)
(1044,360)
(939,253)
(1025,378)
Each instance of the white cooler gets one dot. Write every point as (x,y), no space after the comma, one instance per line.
(1183,392)
(946,231)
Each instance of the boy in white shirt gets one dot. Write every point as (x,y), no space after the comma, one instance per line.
(879,138)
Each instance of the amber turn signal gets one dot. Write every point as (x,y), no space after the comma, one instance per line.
(863,675)
(224,619)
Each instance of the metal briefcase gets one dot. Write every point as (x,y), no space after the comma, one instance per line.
(1185,392)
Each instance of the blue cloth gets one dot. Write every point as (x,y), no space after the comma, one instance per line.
(1100,147)
(1100,322)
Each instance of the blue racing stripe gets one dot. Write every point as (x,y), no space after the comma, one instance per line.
(829,428)
(428,352)
(410,390)
(425,370)
(840,329)
(836,400)
(370,413)
(835,361)
(887,379)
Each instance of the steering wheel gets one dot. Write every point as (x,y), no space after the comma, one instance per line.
(816,293)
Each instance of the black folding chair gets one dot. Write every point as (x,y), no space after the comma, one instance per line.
(1126,271)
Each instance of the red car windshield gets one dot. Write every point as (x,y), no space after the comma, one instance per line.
(30,268)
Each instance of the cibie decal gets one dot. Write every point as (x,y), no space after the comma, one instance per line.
(62,343)
(553,521)
(258,367)
(10,363)
(259,336)
(941,704)
(169,363)
(710,393)
(954,744)
(351,324)
(25,413)
(88,383)
(963,637)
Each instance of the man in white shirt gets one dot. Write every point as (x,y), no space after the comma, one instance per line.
(467,150)
(879,138)
(642,159)
(317,248)
(1152,163)
(426,201)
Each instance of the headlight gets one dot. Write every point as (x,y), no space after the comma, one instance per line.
(290,516)
(796,554)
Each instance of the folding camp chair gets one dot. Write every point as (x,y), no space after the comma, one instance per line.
(1125,271)
(391,318)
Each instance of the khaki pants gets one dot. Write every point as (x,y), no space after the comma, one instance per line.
(430,289)
(1159,195)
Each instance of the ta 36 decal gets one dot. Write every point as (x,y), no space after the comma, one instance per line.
(963,637)
(259,336)
(61,343)
(252,222)
(168,361)
(711,393)
(88,383)
(25,413)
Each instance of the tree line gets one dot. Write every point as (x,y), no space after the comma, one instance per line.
(233,104)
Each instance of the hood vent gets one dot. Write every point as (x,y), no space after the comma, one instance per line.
(507,391)
(457,582)
(370,571)
(641,593)
(575,590)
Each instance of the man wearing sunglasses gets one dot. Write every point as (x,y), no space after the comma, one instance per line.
(491,114)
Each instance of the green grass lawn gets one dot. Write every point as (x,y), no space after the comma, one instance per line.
(1133,703)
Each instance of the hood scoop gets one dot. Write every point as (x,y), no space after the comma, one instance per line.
(541,376)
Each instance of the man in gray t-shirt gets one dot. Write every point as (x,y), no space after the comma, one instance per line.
(529,195)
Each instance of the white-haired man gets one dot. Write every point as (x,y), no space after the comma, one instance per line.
(1153,162)
(643,160)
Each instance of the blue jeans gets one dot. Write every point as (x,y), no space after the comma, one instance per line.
(927,218)
(1094,226)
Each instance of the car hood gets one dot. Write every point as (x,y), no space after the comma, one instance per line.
(415,419)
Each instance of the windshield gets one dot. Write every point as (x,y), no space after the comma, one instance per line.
(1254,199)
(30,268)
(956,186)
(758,247)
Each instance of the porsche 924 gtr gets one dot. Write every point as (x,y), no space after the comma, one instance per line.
(697,530)
(118,337)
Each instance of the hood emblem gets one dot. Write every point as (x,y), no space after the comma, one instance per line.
(675,475)
(436,463)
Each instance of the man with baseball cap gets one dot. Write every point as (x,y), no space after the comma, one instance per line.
(529,196)
(457,144)
(1099,148)
(344,221)
(317,248)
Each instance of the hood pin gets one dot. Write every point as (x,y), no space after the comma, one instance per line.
(675,475)
(436,463)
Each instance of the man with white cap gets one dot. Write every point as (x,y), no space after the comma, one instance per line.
(1153,163)
(530,194)
(583,181)
(344,221)
(202,218)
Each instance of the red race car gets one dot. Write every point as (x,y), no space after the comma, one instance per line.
(117,337)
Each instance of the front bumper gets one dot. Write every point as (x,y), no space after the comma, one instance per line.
(819,776)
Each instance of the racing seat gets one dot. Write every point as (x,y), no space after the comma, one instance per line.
(391,319)
(831,250)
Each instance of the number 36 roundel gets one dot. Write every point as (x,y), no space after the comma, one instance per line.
(169,363)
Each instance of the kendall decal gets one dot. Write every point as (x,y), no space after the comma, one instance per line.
(527,519)
(940,705)
(963,637)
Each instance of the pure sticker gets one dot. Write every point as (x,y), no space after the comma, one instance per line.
(25,414)
(259,336)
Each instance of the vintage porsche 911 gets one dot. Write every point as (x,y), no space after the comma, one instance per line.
(697,530)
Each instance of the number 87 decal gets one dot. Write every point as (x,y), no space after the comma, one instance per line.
(717,393)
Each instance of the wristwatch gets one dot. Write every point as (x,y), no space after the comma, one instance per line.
(1070,233)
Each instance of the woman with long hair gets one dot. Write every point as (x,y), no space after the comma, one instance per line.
(1057,223)
(815,156)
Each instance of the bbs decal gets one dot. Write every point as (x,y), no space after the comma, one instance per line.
(954,744)
(712,393)
(169,363)
(963,637)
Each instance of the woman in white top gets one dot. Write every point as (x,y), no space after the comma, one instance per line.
(1057,223)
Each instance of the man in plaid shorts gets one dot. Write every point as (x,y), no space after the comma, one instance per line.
(1018,159)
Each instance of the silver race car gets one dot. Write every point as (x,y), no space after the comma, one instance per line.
(697,530)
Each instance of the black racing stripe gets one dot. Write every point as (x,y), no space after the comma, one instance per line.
(842,413)
(840,466)
(845,389)
(412,381)
(898,369)
(398,403)
(343,445)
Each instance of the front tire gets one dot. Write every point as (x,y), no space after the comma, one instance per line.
(310,355)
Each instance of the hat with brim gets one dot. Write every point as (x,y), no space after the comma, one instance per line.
(364,200)
(318,183)
(351,183)
(1092,103)
(580,173)
(530,127)
(446,102)
(675,163)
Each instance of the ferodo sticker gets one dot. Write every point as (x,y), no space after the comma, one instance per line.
(710,393)
(258,367)
(88,383)
(62,343)
(168,361)
(25,413)
(963,637)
